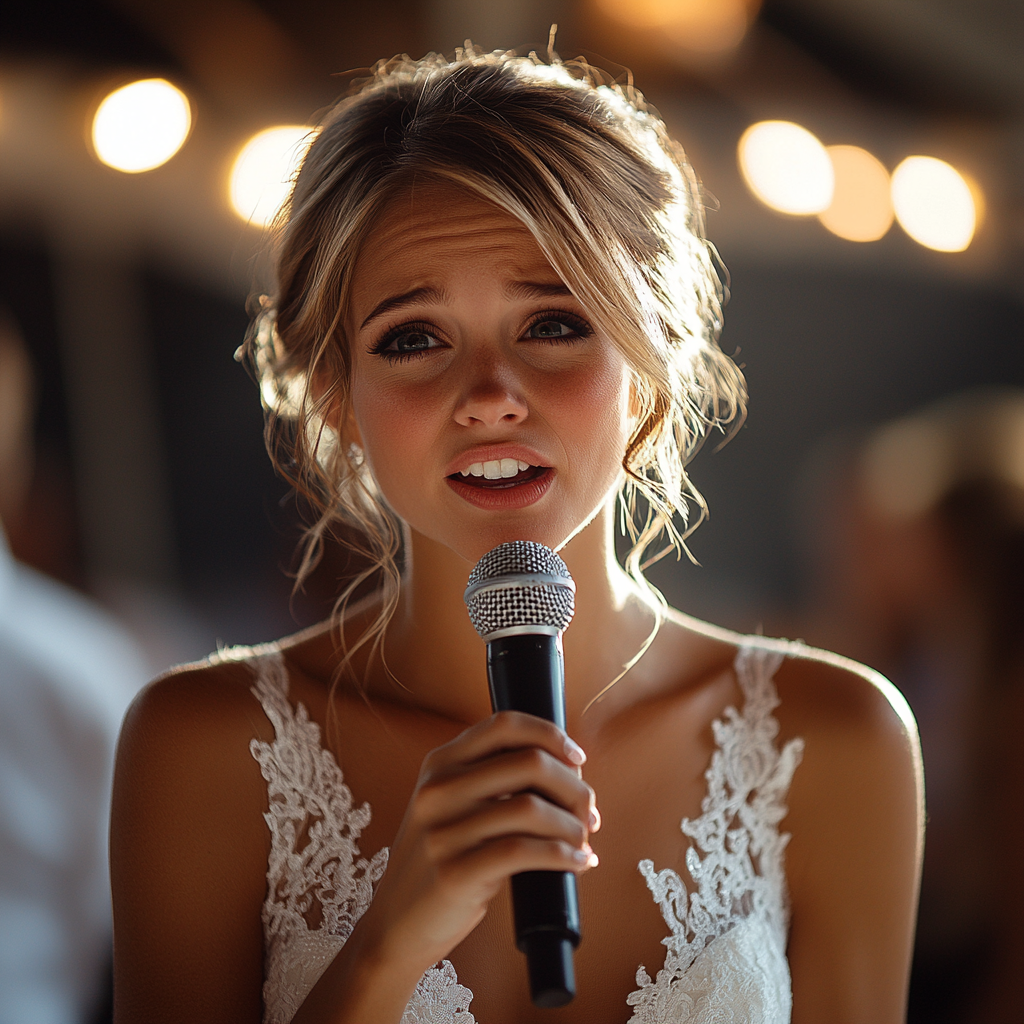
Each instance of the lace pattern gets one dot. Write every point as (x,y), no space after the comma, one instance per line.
(725,954)
(739,874)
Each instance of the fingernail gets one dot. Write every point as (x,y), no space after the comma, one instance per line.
(574,752)
(594,822)
(585,856)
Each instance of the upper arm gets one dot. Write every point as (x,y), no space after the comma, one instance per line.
(853,863)
(189,852)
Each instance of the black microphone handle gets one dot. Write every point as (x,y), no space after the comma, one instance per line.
(526,673)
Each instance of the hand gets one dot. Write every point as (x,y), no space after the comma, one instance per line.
(504,796)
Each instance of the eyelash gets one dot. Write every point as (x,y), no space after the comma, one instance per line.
(581,329)
(380,347)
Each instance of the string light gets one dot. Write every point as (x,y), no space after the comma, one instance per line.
(700,26)
(141,126)
(933,203)
(264,169)
(786,167)
(861,207)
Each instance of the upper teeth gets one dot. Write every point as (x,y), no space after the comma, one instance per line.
(496,469)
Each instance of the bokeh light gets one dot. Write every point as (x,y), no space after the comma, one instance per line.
(861,208)
(262,175)
(141,126)
(700,26)
(786,167)
(933,204)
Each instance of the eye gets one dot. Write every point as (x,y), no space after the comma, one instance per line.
(558,327)
(405,342)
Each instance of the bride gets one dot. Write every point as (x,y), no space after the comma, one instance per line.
(495,318)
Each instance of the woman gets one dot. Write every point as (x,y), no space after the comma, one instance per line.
(495,310)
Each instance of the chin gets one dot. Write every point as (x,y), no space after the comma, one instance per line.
(479,546)
(472,541)
(473,545)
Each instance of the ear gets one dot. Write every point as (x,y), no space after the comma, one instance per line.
(337,413)
(349,432)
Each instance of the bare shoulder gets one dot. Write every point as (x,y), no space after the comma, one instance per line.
(861,756)
(822,692)
(855,822)
(828,702)
(185,744)
(189,848)
(209,703)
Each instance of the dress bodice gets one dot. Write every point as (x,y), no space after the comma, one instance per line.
(725,955)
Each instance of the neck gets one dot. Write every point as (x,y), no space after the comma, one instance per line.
(438,659)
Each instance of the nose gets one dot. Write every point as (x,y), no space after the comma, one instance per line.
(492,396)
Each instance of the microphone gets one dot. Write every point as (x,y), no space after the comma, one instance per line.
(520,598)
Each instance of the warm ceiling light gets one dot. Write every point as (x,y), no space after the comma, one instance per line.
(264,169)
(786,167)
(141,126)
(933,204)
(701,26)
(861,208)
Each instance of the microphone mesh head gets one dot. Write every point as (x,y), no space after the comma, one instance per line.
(521,583)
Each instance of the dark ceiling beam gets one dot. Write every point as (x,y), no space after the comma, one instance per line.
(948,55)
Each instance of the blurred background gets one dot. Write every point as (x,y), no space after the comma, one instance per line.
(864,165)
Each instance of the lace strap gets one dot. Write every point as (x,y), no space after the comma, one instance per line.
(296,737)
(315,870)
(736,861)
(755,671)
(271,677)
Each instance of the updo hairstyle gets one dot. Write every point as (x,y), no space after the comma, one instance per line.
(590,170)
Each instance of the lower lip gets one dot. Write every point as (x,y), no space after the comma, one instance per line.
(504,498)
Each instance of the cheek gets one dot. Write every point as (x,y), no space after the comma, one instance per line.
(597,415)
(375,416)
(396,427)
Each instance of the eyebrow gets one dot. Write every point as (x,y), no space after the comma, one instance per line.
(535,289)
(425,294)
(513,290)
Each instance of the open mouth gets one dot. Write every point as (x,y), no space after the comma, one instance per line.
(499,474)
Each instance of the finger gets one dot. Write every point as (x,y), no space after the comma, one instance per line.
(525,814)
(507,730)
(493,862)
(528,769)
(459,792)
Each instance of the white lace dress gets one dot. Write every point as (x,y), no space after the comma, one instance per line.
(726,947)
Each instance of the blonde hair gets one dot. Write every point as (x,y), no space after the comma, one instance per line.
(590,170)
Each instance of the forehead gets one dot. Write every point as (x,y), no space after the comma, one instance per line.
(437,231)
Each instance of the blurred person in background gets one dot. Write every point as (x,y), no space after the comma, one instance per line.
(67,673)
(920,573)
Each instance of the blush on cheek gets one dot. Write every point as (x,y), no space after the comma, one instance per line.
(383,414)
(595,424)
(605,396)
(396,433)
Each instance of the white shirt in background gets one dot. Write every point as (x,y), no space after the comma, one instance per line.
(67,674)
